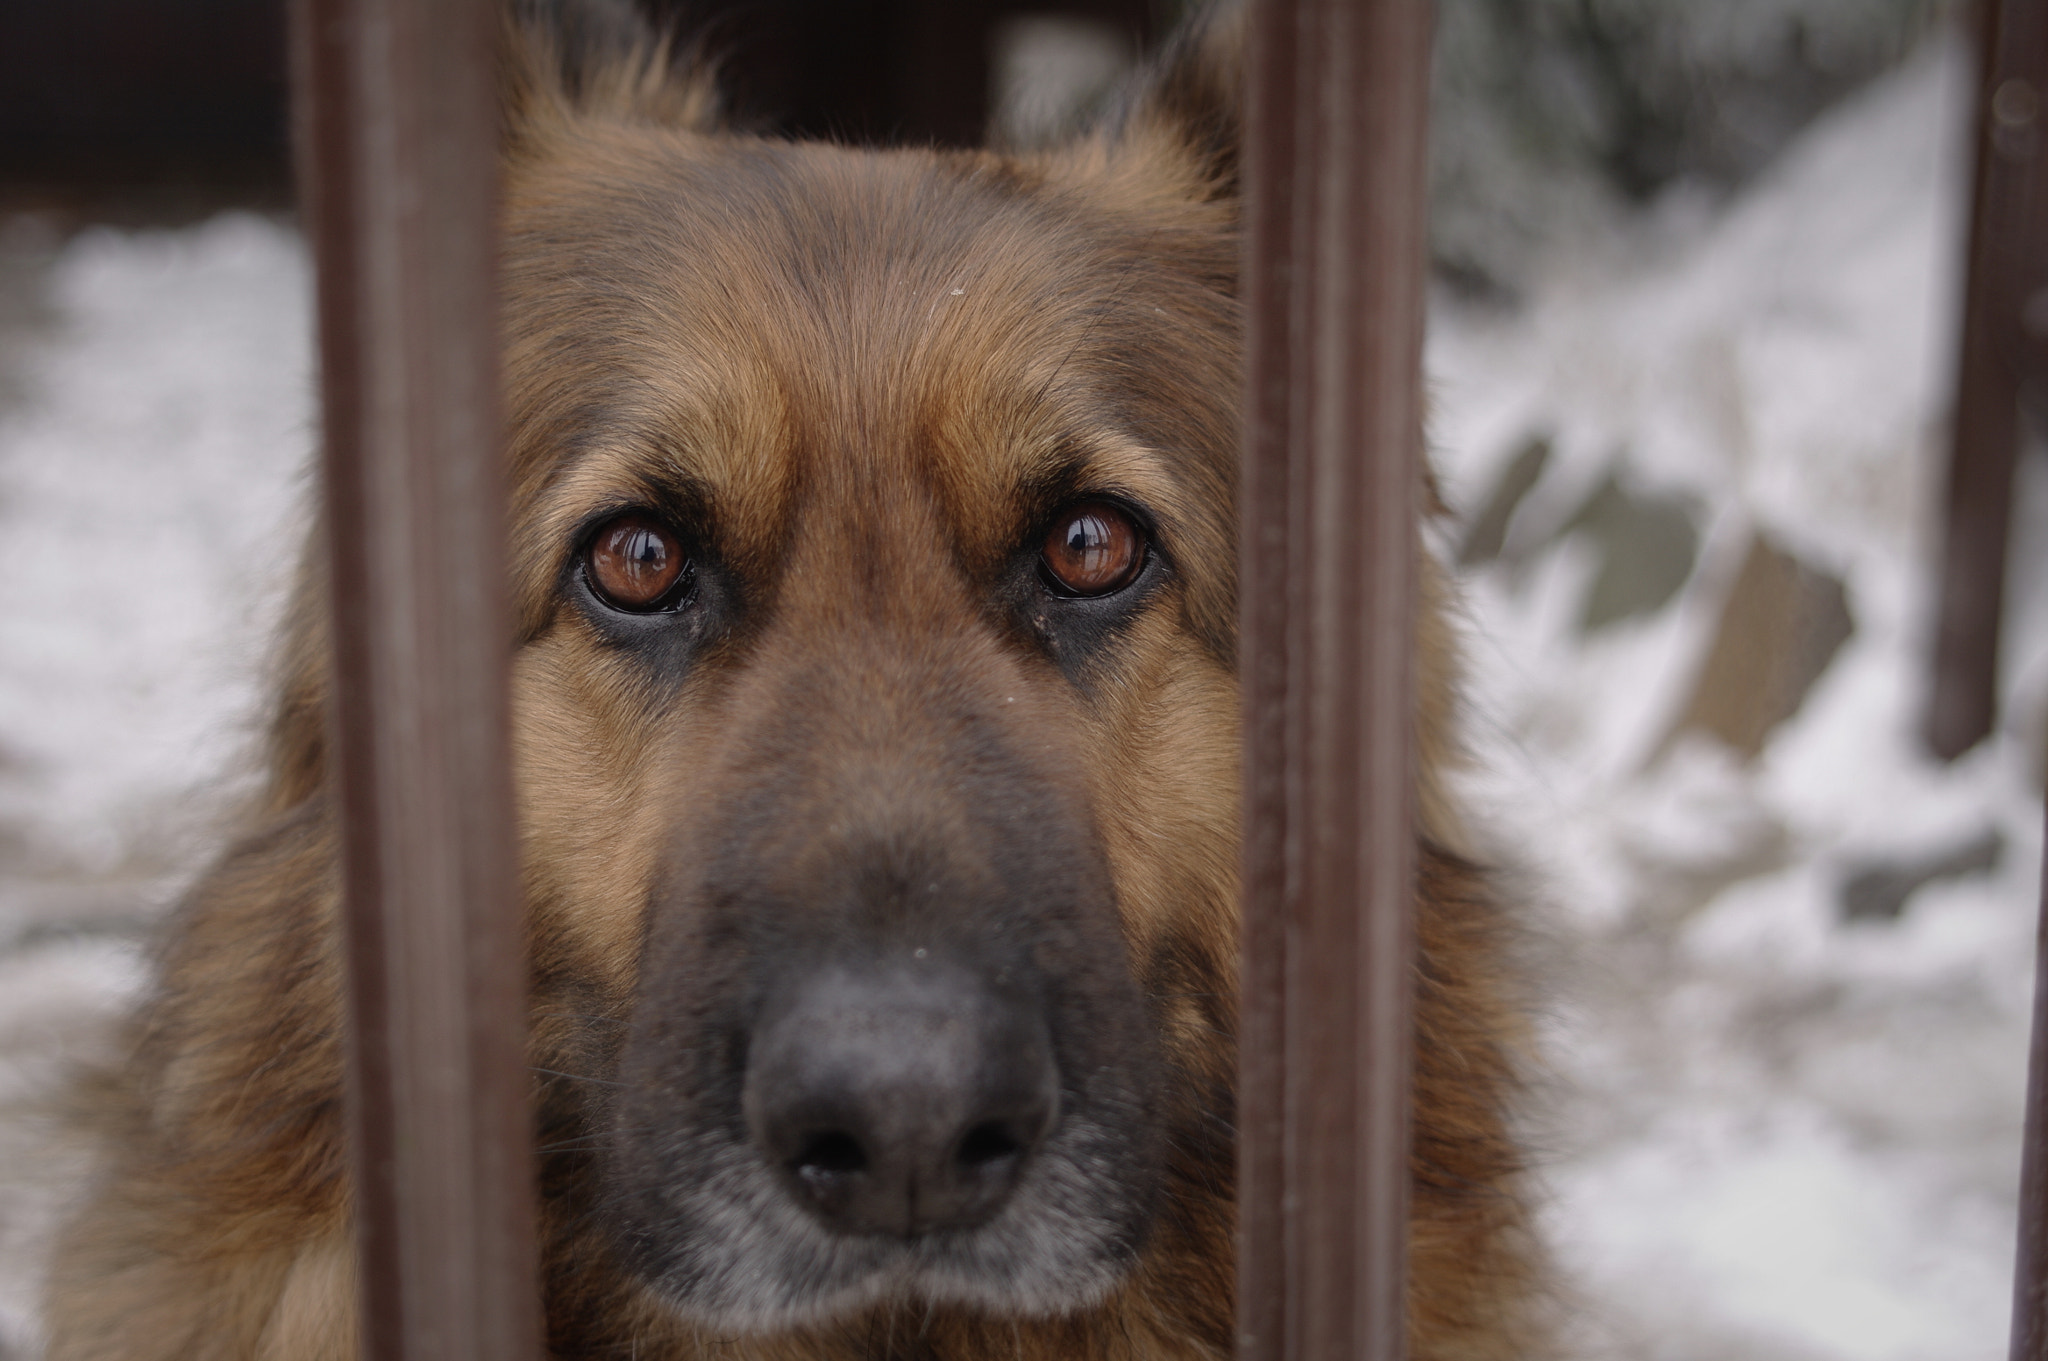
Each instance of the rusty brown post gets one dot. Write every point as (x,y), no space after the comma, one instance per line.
(2030,1264)
(2004,356)
(1334,294)
(397,138)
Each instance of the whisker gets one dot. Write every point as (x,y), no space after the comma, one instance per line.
(1122,281)
(578,1016)
(570,1145)
(578,1077)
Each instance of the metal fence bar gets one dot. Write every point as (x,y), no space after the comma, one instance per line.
(398,133)
(1334,290)
(2005,322)
(2030,1264)
(2003,361)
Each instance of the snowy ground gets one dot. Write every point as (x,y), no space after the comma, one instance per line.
(1781,1133)
(1778,1129)
(154,422)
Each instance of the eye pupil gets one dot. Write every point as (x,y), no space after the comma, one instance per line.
(1094,549)
(635,563)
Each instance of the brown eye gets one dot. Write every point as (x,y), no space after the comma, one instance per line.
(634,562)
(1093,549)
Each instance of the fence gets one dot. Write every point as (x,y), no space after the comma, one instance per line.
(398,130)
(2002,362)
(1333,286)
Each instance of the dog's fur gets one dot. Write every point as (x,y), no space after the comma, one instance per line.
(860,383)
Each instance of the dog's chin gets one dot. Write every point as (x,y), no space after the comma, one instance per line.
(732,1251)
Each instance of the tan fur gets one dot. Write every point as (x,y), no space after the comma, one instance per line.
(858,358)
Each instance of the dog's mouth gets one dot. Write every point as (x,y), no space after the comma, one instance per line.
(902,1132)
(749,1257)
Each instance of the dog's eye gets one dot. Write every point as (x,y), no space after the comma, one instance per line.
(1093,549)
(635,563)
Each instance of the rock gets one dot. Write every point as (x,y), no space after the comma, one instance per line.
(1782,624)
(1488,530)
(1648,547)
(1879,893)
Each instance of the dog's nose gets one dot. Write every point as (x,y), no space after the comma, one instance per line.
(900,1099)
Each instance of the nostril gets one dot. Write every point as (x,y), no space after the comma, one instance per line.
(899,1105)
(830,1153)
(988,1142)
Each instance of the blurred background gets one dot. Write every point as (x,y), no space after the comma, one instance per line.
(1692,356)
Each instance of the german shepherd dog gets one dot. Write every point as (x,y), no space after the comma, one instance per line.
(873,545)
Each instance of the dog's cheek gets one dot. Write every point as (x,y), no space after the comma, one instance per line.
(1164,778)
(589,798)
(1162,770)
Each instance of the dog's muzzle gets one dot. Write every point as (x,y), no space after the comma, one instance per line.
(902,1097)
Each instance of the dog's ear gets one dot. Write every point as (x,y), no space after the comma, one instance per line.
(1175,129)
(597,58)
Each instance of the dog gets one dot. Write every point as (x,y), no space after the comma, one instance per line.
(876,758)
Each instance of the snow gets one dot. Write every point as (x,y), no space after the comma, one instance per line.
(1766,1132)
(1775,1134)
(149,522)
(148,486)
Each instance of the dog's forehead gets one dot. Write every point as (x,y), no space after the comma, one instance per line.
(774,325)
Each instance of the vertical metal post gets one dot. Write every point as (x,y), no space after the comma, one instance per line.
(398,146)
(1334,291)
(2030,1264)
(2004,351)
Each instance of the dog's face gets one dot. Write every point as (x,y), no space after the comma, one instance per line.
(876,720)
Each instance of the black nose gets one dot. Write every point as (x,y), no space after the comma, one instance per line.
(900,1098)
